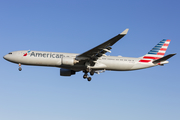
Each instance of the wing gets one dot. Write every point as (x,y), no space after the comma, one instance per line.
(101,49)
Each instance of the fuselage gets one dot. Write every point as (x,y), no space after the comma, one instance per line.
(67,61)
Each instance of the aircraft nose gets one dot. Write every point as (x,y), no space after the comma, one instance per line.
(5,57)
(9,57)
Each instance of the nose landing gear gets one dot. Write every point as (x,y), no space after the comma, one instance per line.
(19,67)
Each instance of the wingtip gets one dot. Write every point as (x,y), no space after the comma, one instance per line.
(125,31)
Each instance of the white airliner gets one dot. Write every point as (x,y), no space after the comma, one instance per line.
(92,61)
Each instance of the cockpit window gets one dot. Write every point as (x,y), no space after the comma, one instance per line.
(10,53)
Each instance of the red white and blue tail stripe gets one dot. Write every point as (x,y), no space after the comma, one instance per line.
(157,52)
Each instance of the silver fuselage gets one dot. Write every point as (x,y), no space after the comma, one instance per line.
(54,59)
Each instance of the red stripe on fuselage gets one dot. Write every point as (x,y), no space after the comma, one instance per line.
(146,61)
(148,57)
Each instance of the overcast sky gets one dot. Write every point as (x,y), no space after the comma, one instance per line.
(40,93)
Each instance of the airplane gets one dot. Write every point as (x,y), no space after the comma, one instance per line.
(92,61)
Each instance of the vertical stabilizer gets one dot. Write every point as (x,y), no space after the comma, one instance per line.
(157,52)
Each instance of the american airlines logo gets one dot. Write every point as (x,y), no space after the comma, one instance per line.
(46,55)
(27,53)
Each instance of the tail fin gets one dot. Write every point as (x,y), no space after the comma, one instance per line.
(157,52)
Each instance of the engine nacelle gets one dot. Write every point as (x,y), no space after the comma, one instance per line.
(68,61)
(66,72)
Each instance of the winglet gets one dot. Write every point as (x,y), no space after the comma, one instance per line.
(125,32)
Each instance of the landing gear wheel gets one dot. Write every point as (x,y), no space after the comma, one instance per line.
(20,69)
(92,73)
(89,78)
(85,76)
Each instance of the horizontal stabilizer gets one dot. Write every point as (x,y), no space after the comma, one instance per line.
(163,58)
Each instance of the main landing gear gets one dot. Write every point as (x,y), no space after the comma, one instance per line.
(19,67)
(85,76)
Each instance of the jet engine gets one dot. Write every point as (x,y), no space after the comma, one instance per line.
(66,72)
(69,61)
